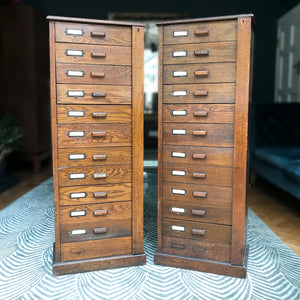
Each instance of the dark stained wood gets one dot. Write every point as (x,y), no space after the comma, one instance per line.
(94,94)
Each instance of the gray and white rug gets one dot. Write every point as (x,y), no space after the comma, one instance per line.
(27,235)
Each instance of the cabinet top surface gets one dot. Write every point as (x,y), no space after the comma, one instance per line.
(221,18)
(92,21)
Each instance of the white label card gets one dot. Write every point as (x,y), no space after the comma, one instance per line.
(78,213)
(178,173)
(179,93)
(76,113)
(177,228)
(71,73)
(180,33)
(74,31)
(179,53)
(178,192)
(178,154)
(77,195)
(180,73)
(178,210)
(76,133)
(75,93)
(179,112)
(78,231)
(77,176)
(179,131)
(76,156)
(74,52)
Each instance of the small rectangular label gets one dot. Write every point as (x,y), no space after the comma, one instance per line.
(76,156)
(178,210)
(179,131)
(178,173)
(78,213)
(78,231)
(177,228)
(178,192)
(75,113)
(180,73)
(71,73)
(76,133)
(75,93)
(179,112)
(74,31)
(179,93)
(180,33)
(77,176)
(77,195)
(74,52)
(178,154)
(179,53)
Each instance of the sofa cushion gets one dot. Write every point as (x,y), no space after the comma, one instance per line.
(293,170)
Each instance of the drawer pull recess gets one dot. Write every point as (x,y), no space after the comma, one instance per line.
(199,156)
(179,131)
(98,94)
(200,132)
(199,231)
(177,246)
(78,231)
(77,195)
(200,194)
(199,175)
(99,175)
(99,114)
(201,73)
(179,93)
(100,230)
(201,113)
(180,33)
(178,210)
(98,54)
(178,154)
(74,32)
(98,74)
(201,93)
(198,212)
(99,157)
(178,192)
(100,212)
(100,194)
(80,213)
(201,32)
(178,173)
(177,228)
(99,34)
(201,52)
(98,133)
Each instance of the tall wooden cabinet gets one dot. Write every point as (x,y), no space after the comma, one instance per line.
(205,86)
(97,141)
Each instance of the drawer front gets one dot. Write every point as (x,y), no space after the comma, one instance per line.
(93,114)
(95,212)
(199,73)
(198,113)
(197,194)
(196,249)
(91,249)
(200,53)
(93,54)
(93,74)
(77,195)
(94,135)
(198,174)
(95,230)
(71,157)
(199,93)
(200,32)
(197,231)
(221,135)
(207,213)
(92,34)
(93,94)
(202,156)
(94,175)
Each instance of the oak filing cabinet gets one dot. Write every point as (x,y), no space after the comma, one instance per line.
(205,86)
(97,141)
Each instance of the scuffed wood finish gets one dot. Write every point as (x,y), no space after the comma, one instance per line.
(95,194)
(94,54)
(200,53)
(95,114)
(107,94)
(205,93)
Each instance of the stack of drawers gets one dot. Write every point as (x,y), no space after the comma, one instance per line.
(94,106)
(199,144)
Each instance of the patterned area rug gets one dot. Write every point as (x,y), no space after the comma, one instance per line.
(27,234)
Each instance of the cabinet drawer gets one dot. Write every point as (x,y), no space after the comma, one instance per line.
(199,73)
(76,195)
(197,230)
(198,113)
(91,249)
(199,93)
(94,135)
(221,135)
(92,34)
(93,54)
(200,32)
(93,114)
(198,174)
(200,53)
(95,212)
(95,230)
(207,213)
(93,74)
(198,194)
(204,156)
(71,157)
(94,175)
(196,249)
(93,94)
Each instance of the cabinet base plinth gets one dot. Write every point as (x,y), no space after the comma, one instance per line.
(214,267)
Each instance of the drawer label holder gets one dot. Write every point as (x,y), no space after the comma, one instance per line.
(179,93)
(181,33)
(74,53)
(178,173)
(180,53)
(80,213)
(78,231)
(75,94)
(76,156)
(177,228)
(77,195)
(75,73)
(178,192)
(180,73)
(178,154)
(74,32)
